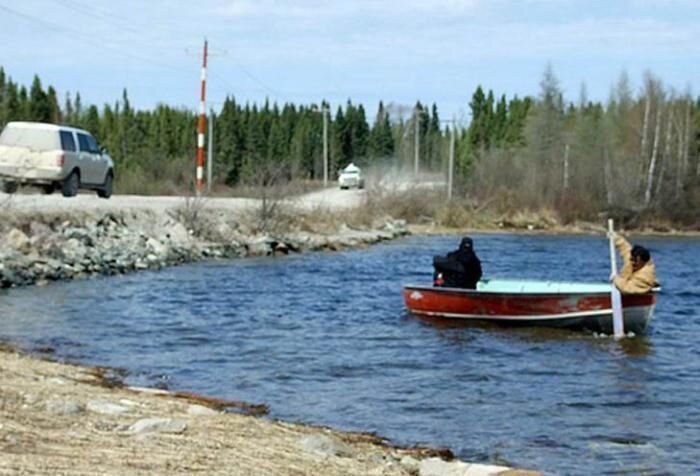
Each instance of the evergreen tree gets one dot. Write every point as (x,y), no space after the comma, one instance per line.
(479,126)
(381,140)
(68,114)
(359,141)
(92,122)
(78,109)
(340,147)
(13,108)
(39,108)
(24,111)
(500,122)
(54,109)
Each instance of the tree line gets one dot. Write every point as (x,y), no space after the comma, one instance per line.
(635,151)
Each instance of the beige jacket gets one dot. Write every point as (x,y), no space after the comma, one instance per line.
(629,281)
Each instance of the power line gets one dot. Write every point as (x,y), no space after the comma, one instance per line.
(252,77)
(118,22)
(83,9)
(87,39)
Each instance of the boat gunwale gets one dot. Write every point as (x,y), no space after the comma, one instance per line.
(544,293)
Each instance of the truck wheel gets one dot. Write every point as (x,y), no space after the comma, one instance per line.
(71,185)
(10,187)
(48,189)
(106,190)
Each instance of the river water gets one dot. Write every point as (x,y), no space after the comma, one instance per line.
(324,338)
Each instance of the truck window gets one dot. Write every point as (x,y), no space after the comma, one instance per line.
(83,142)
(67,141)
(92,143)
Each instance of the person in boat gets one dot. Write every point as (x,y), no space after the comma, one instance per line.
(638,273)
(458,269)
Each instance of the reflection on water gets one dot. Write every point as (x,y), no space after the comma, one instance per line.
(324,338)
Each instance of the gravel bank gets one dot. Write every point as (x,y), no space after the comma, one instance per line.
(37,247)
(64,419)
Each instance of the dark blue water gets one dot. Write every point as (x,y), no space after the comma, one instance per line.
(324,338)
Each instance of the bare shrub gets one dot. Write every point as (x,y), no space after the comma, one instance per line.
(268,182)
(192,214)
(573,208)
(457,214)
(323,220)
(415,205)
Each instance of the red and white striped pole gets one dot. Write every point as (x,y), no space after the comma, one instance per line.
(202,124)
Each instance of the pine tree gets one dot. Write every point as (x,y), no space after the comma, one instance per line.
(13,108)
(78,109)
(360,134)
(479,127)
(54,109)
(24,110)
(92,122)
(381,140)
(39,108)
(68,114)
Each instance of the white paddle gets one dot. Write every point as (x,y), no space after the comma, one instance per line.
(615,297)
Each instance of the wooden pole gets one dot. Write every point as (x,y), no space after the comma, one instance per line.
(451,165)
(324,111)
(416,141)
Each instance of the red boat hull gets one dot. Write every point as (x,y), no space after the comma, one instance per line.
(576,310)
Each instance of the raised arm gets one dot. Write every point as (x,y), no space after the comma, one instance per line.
(624,248)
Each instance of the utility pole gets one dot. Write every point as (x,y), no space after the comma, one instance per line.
(201,124)
(210,150)
(450,165)
(324,111)
(566,168)
(416,141)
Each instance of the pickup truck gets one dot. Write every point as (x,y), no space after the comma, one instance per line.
(53,157)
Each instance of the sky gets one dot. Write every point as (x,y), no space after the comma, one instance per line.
(366,51)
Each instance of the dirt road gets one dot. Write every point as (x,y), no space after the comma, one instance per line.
(329,198)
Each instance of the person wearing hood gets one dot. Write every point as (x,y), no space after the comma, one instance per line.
(459,269)
(638,273)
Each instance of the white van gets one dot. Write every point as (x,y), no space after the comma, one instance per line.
(53,157)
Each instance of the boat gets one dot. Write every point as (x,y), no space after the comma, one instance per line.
(534,303)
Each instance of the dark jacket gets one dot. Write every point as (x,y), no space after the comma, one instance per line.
(460,268)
